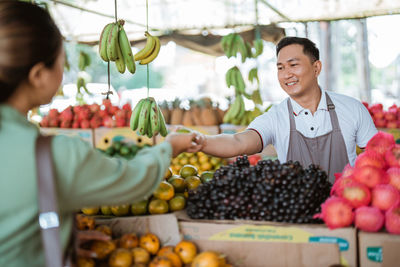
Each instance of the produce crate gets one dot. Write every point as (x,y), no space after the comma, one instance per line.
(85,134)
(164,226)
(209,130)
(378,249)
(278,236)
(103,137)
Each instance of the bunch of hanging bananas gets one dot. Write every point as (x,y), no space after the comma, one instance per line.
(150,50)
(236,111)
(147,118)
(233,43)
(259,47)
(84,60)
(81,84)
(114,46)
(233,77)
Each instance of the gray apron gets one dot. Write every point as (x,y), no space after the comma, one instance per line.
(327,151)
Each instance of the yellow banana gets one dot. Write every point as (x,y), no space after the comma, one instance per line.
(103,42)
(163,127)
(135,115)
(126,50)
(148,48)
(112,43)
(143,117)
(154,120)
(154,53)
(119,62)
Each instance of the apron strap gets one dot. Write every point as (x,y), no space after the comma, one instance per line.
(332,113)
(291,119)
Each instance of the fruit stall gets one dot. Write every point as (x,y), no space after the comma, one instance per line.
(207,211)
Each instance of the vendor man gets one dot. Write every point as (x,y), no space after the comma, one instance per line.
(310,126)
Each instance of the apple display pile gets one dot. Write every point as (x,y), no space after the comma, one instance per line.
(89,116)
(384,118)
(367,194)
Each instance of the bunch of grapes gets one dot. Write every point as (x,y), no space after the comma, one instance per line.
(268,191)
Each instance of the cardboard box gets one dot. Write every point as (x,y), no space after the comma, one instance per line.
(84,134)
(164,226)
(103,137)
(275,234)
(262,254)
(378,249)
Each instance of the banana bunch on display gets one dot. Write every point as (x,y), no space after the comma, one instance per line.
(236,111)
(233,43)
(150,50)
(147,118)
(114,46)
(253,75)
(81,84)
(84,60)
(234,78)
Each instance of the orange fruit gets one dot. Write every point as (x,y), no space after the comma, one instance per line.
(203,159)
(193,160)
(105,229)
(206,166)
(129,240)
(120,257)
(165,250)
(173,258)
(150,242)
(105,210)
(120,210)
(178,183)
(102,248)
(168,173)
(164,191)
(140,255)
(158,206)
(206,176)
(188,170)
(184,161)
(209,259)
(192,182)
(85,262)
(139,208)
(160,262)
(90,210)
(84,222)
(177,203)
(186,250)
(175,161)
(215,161)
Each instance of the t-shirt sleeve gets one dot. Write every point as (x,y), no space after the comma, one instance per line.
(365,126)
(264,126)
(87,177)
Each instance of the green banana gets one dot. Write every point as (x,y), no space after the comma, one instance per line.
(103,42)
(153,53)
(81,61)
(242,48)
(126,50)
(149,132)
(227,44)
(249,50)
(148,48)
(253,75)
(259,46)
(143,117)
(154,120)
(242,109)
(256,97)
(266,110)
(228,78)
(232,50)
(239,81)
(112,43)
(163,127)
(119,62)
(135,114)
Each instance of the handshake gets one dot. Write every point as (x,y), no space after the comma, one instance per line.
(185,140)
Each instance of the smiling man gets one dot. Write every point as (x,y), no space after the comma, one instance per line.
(311,126)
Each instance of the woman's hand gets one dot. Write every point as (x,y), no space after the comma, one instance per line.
(184,142)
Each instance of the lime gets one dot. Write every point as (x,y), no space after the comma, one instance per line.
(188,170)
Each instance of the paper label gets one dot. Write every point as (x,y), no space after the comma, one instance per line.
(374,254)
(342,243)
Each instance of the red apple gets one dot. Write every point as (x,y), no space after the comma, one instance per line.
(356,194)
(392,220)
(369,219)
(336,212)
(385,196)
(370,176)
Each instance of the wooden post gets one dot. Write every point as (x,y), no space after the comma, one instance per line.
(363,71)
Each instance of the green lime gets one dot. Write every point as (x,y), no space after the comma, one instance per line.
(124,150)
(110,151)
(117,145)
(139,208)
(206,176)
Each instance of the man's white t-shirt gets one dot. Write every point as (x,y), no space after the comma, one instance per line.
(354,119)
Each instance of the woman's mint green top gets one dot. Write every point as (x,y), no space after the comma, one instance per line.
(84,177)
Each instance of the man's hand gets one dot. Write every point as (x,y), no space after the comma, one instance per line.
(183,142)
(82,237)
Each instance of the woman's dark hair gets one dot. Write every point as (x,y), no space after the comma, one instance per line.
(28,35)
(309,47)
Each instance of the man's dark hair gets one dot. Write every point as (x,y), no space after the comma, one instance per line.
(309,47)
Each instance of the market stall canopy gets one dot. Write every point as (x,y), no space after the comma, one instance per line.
(202,21)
